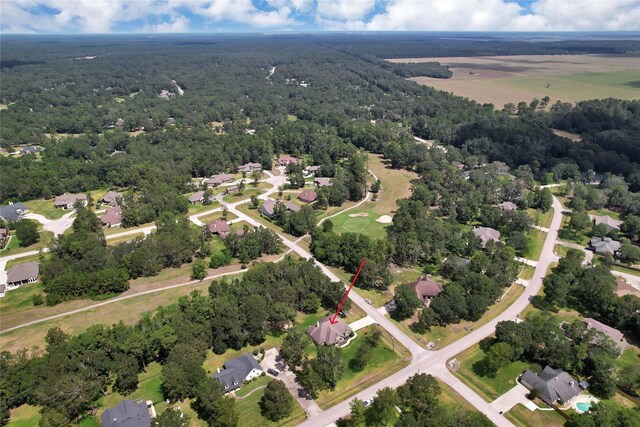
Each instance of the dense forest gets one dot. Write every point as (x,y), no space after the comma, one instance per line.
(105,88)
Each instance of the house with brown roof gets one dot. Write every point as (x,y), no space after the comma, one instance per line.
(218,179)
(286,160)
(613,333)
(486,234)
(427,289)
(326,333)
(268,208)
(22,273)
(219,227)
(308,196)
(611,223)
(197,197)
(112,217)
(322,182)
(67,201)
(291,207)
(112,198)
(508,206)
(232,190)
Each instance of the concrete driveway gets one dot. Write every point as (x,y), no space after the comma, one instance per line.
(273,360)
(517,394)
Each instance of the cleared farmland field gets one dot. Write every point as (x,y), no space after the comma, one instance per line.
(569,78)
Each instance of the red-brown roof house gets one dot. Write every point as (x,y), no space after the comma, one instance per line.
(427,289)
(285,160)
(197,197)
(112,217)
(219,227)
(308,196)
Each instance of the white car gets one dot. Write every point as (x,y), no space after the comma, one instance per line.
(368,301)
(368,402)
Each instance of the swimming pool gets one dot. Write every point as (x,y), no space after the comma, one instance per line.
(584,406)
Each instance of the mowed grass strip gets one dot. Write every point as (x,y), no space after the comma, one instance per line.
(45,207)
(489,388)
(541,219)
(535,242)
(520,415)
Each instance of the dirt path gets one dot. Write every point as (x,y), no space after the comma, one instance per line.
(180,90)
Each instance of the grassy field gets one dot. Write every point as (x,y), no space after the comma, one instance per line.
(599,212)
(19,299)
(526,272)
(489,388)
(45,207)
(13,247)
(200,207)
(115,230)
(395,184)
(125,238)
(569,235)
(129,311)
(248,408)
(521,416)
(540,218)
(569,78)
(624,269)
(536,241)
(445,335)
(384,361)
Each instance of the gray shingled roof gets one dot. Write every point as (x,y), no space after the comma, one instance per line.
(68,199)
(111,197)
(236,371)
(607,220)
(13,212)
(552,385)
(485,234)
(126,414)
(605,245)
(23,272)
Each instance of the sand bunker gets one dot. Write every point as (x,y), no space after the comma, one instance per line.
(358,215)
(385,219)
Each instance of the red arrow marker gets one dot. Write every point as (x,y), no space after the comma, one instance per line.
(333,319)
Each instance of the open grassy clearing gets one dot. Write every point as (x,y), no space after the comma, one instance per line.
(535,242)
(541,219)
(125,238)
(25,416)
(624,269)
(248,409)
(116,230)
(201,207)
(45,207)
(207,219)
(599,212)
(129,311)
(526,272)
(489,388)
(13,247)
(569,78)
(521,416)
(19,299)
(384,361)
(445,335)
(568,235)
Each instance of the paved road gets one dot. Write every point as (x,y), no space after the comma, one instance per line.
(433,362)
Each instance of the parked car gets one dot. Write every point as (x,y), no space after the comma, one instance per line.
(368,402)
(273,372)
(368,301)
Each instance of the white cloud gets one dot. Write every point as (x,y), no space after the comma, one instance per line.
(345,10)
(178,24)
(486,15)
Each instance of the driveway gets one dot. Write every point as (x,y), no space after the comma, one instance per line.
(362,323)
(272,360)
(517,394)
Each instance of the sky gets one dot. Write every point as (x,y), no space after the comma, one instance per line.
(214,16)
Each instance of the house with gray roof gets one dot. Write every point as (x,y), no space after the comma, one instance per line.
(322,182)
(67,201)
(127,413)
(250,167)
(29,149)
(311,170)
(486,234)
(326,333)
(197,197)
(552,385)
(611,223)
(112,217)
(22,273)
(604,245)
(219,227)
(112,198)
(13,212)
(508,206)
(238,370)
(268,208)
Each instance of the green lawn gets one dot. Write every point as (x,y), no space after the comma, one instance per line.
(605,211)
(625,269)
(13,247)
(540,218)
(521,416)
(384,362)
(630,356)
(248,409)
(199,207)
(125,238)
(19,299)
(561,250)
(25,416)
(366,224)
(525,272)
(490,388)
(45,207)
(569,235)
(535,242)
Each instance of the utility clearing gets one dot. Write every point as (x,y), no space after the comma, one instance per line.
(569,78)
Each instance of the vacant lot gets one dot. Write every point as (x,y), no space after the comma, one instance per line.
(570,78)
